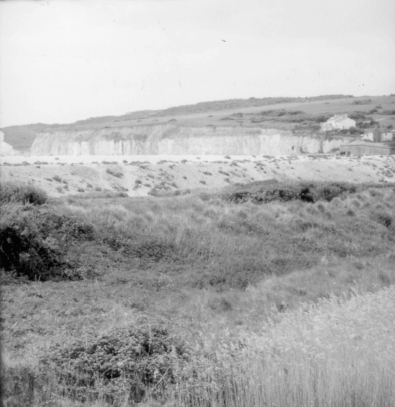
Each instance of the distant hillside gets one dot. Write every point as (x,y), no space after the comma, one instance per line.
(241,103)
(22,137)
(285,113)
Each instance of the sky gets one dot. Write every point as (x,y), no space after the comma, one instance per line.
(62,61)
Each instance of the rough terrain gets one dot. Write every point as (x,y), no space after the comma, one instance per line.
(155,175)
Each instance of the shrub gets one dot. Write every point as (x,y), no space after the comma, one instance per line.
(307,192)
(153,192)
(362,102)
(23,193)
(34,243)
(384,219)
(131,361)
(114,173)
(354,130)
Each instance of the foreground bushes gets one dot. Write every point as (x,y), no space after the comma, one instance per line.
(21,193)
(125,363)
(338,352)
(34,243)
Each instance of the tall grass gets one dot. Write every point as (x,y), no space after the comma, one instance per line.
(339,352)
(214,271)
(243,243)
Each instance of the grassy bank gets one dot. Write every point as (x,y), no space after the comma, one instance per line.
(218,284)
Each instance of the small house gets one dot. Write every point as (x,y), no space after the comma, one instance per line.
(338,122)
(378,135)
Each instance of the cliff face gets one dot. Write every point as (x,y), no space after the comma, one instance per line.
(5,148)
(175,140)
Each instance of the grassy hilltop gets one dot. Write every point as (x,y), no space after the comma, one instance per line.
(204,299)
(289,113)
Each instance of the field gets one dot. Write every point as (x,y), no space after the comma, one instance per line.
(265,294)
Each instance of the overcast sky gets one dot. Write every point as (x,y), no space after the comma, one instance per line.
(62,61)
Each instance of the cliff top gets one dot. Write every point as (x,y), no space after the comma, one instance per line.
(280,113)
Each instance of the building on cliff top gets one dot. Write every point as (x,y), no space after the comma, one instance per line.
(338,122)
(379,135)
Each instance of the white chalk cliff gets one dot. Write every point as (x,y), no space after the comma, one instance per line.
(5,148)
(175,140)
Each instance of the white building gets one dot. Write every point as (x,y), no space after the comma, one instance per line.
(378,135)
(338,122)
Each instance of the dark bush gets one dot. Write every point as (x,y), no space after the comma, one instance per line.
(143,248)
(114,173)
(362,102)
(23,193)
(384,219)
(354,130)
(311,192)
(34,243)
(357,116)
(134,361)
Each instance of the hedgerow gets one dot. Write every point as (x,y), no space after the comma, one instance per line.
(305,191)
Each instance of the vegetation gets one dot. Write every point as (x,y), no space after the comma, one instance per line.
(114,173)
(264,192)
(362,102)
(21,193)
(311,121)
(323,354)
(240,103)
(127,360)
(195,300)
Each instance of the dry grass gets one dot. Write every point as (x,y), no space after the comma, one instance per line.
(215,272)
(339,352)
